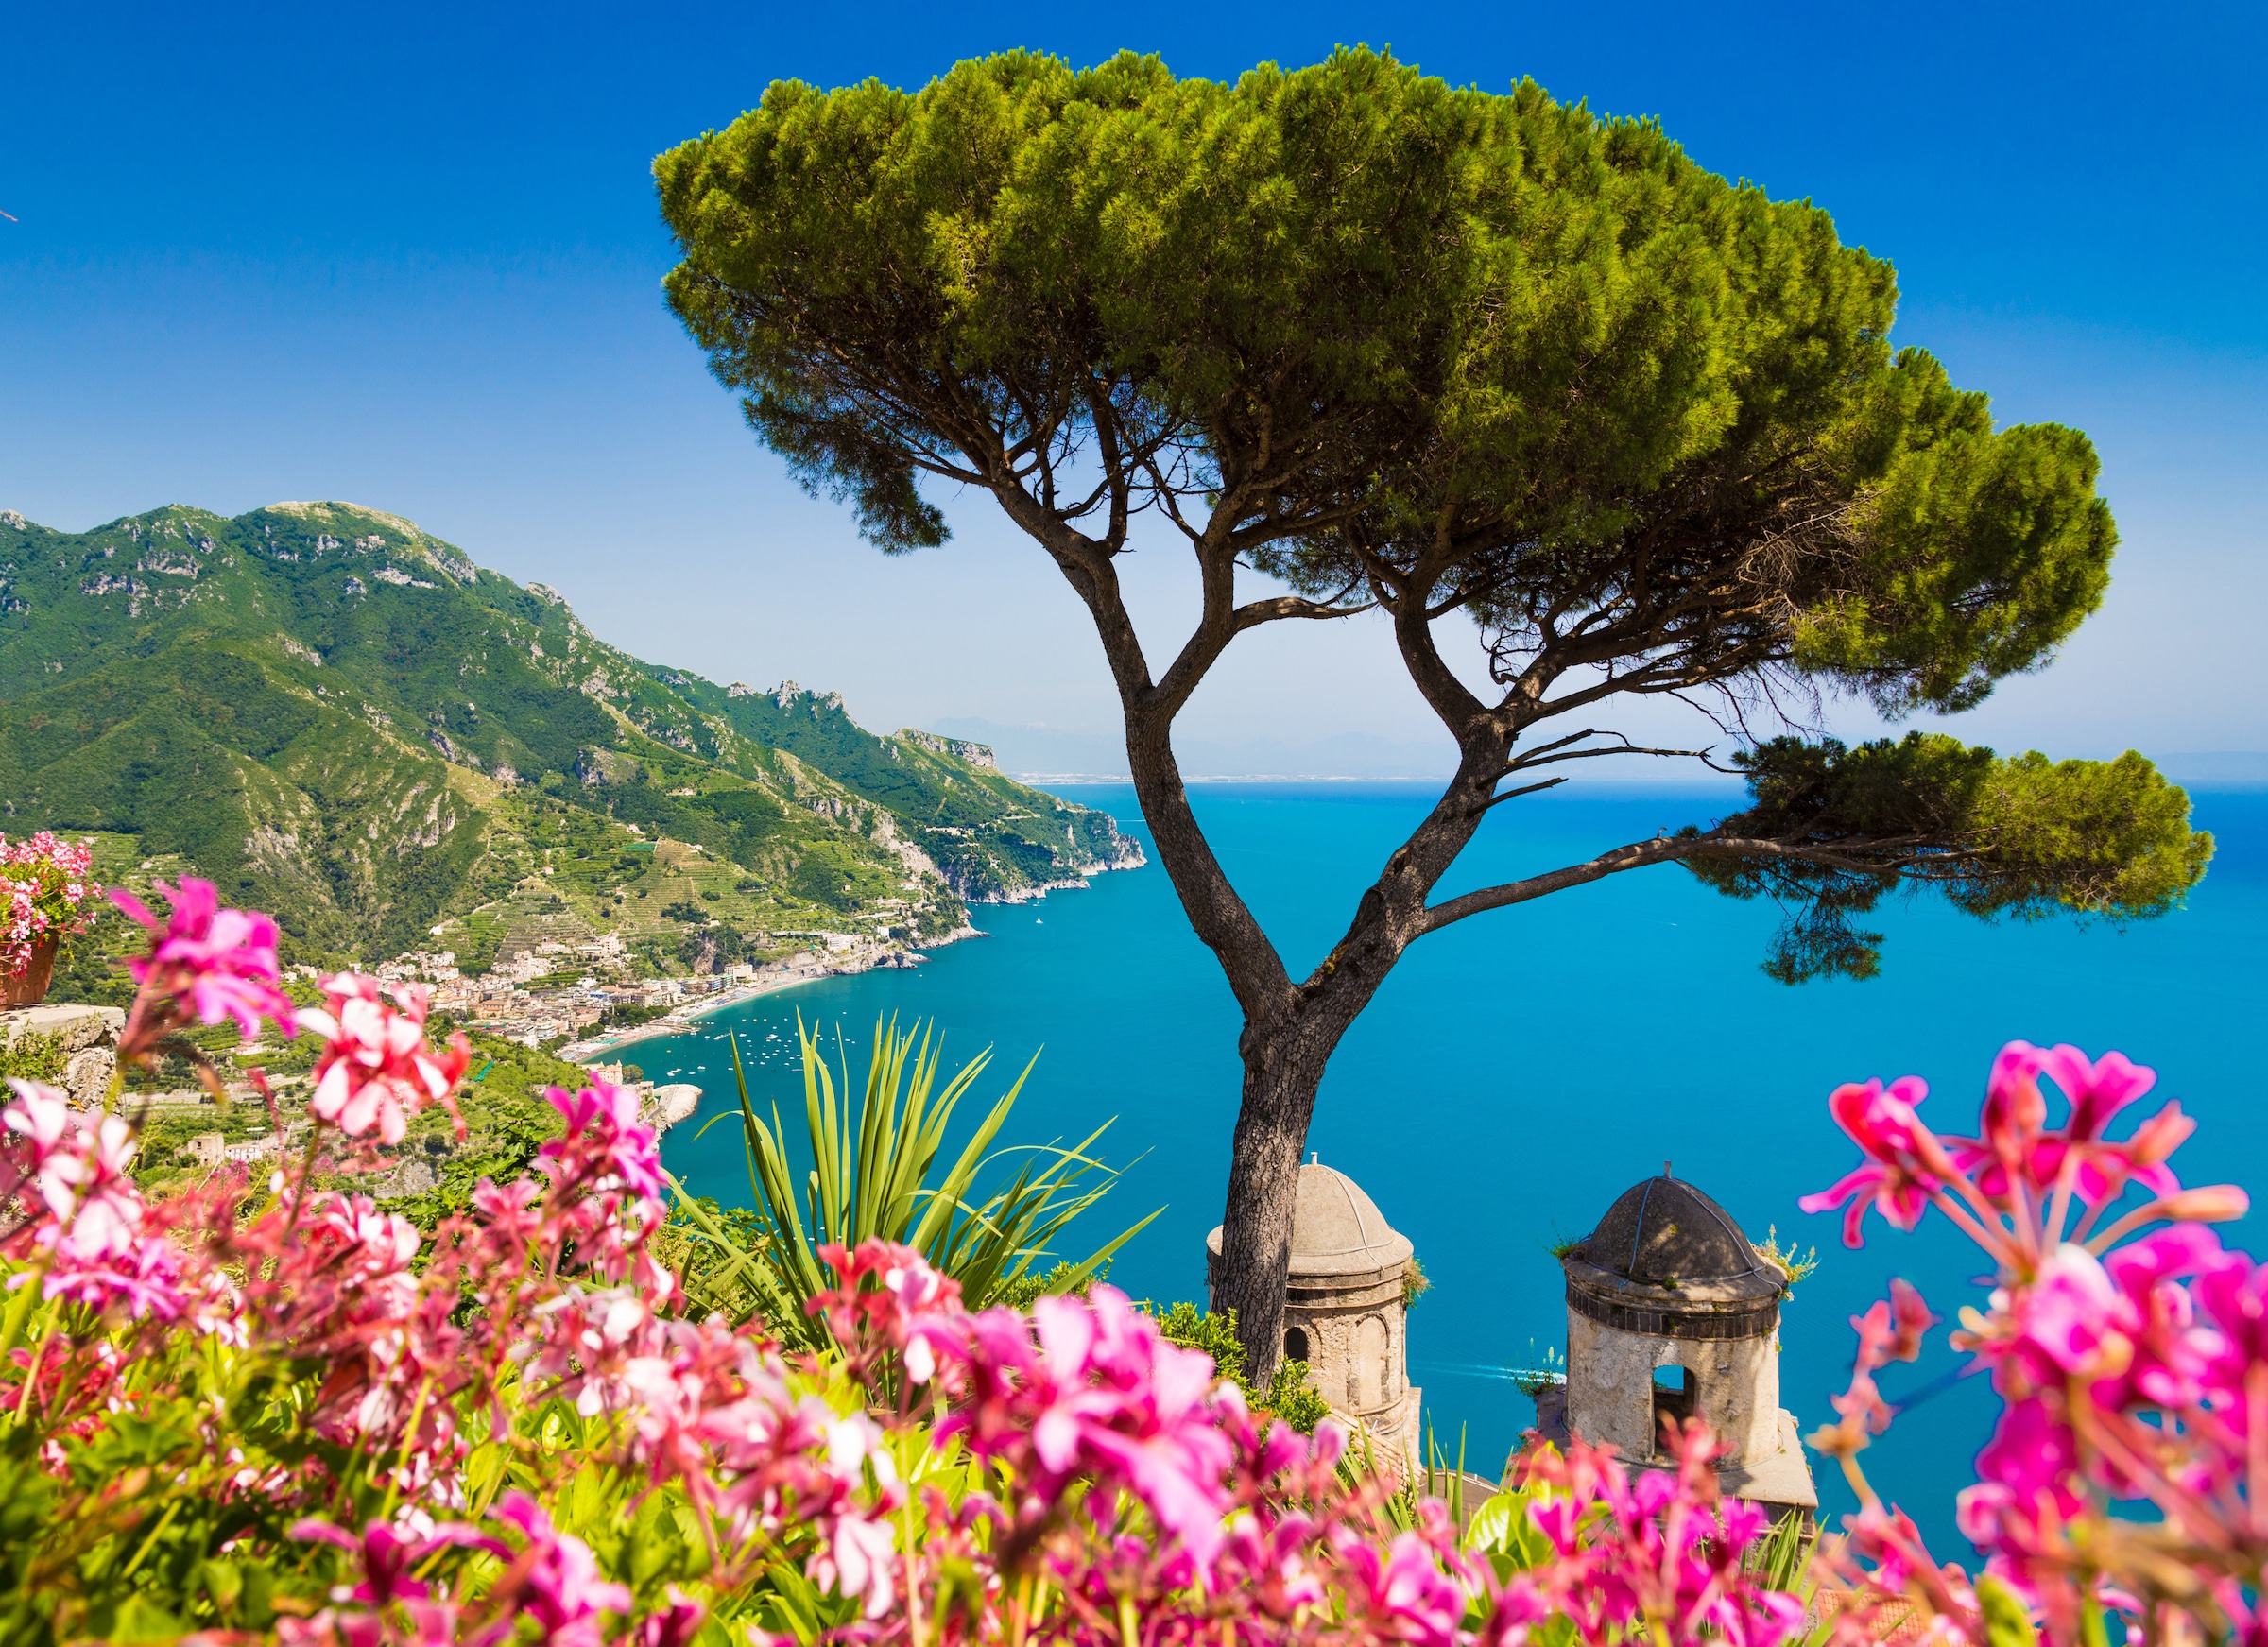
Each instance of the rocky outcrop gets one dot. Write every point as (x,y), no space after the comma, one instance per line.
(1030,892)
(88,1036)
(1118,852)
(665,1106)
(975,754)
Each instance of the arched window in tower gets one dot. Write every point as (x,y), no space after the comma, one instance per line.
(1294,1344)
(1677,1395)
(1372,1373)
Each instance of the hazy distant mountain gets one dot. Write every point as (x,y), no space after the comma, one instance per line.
(342,719)
(1046,751)
(2217,769)
(1030,750)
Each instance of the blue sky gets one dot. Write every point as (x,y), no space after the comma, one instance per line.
(409,257)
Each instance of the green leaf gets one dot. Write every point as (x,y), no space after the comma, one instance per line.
(879,1172)
(2007,1623)
(1501,1529)
(2022,837)
(134,1619)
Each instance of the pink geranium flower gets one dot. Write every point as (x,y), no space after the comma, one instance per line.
(80,1171)
(562,1592)
(1881,1122)
(388,1556)
(608,1115)
(44,885)
(2128,1372)
(676,1624)
(221,963)
(2033,1456)
(2016,1150)
(1409,1598)
(2073,1319)
(109,1209)
(859,1561)
(382,1243)
(2172,1356)
(378,1069)
(1098,1394)
(78,1174)
(43,1117)
(892,1300)
(2098,1089)
(144,1279)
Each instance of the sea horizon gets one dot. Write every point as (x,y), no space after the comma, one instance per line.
(2205,771)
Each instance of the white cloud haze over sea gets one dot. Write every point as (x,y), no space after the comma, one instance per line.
(450,311)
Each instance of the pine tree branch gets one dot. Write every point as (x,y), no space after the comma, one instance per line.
(1671,850)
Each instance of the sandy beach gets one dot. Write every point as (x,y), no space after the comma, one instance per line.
(804,969)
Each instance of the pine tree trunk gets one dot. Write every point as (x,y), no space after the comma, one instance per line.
(1291,1027)
(1263,1183)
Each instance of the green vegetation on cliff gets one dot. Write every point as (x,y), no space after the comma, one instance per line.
(341,719)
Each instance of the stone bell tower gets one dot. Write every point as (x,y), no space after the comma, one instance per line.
(1672,1313)
(1343,1311)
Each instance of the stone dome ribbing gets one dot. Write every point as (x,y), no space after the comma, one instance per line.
(1667,1260)
(1337,1232)
(1666,1230)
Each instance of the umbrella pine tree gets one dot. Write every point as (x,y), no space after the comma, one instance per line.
(1498,369)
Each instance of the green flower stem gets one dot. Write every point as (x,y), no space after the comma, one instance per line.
(409,1433)
(19,1311)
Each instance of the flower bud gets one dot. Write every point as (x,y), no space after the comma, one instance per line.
(2207,1204)
(2158,1137)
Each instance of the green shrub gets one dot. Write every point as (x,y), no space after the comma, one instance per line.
(1288,1395)
(34,1057)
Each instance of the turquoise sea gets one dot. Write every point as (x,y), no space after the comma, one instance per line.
(1520,1070)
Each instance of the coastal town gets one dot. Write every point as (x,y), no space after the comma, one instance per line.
(579,999)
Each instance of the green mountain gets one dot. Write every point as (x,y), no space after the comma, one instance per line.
(342,719)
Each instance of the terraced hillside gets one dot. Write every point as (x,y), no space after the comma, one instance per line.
(342,719)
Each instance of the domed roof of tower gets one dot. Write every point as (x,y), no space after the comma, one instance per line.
(1665,1230)
(1337,1231)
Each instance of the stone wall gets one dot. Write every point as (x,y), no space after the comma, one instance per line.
(1358,1354)
(1610,1387)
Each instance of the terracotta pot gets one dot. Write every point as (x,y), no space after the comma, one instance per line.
(29,986)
